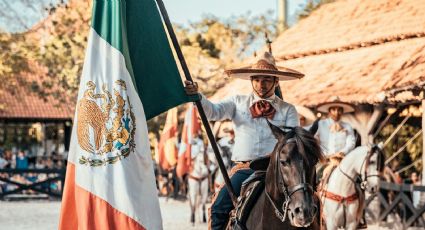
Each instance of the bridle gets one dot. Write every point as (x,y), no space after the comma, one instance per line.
(362,179)
(286,190)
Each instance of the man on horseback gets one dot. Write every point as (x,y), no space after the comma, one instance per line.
(336,137)
(227,141)
(249,114)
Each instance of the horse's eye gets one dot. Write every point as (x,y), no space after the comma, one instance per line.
(285,162)
(372,162)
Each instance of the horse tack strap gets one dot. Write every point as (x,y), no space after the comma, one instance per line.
(340,199)
(239,166)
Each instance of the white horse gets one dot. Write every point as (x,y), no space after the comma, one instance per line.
(343,196)
(226,155)
(198,188)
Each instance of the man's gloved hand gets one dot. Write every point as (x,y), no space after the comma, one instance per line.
(340,155)
(191,88)
(337,157)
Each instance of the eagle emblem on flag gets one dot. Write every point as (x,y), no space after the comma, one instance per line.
(105,124)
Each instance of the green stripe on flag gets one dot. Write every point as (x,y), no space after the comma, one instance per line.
(135,28)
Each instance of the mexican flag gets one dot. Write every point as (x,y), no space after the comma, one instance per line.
(129,76)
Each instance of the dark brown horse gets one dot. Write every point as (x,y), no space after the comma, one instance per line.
(288,200)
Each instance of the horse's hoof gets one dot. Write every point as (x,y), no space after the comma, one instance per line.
(192,219)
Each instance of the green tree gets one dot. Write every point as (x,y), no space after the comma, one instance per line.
(14,60)
(58,44)
(311,6)
(412,153)
(212,45)
(62,49)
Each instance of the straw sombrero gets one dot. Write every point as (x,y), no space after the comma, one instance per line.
(265,65)
(336,102)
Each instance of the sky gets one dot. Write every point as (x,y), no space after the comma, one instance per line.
(185,11)
(180,11)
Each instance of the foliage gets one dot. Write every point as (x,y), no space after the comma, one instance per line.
(413,151)
(58,45)
(63,49)
(13,60)
(311,6)
(19,15)
(212,45)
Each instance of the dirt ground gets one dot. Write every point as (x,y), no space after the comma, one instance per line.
(44,215)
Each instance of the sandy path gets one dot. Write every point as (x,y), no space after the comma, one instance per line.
(44,215)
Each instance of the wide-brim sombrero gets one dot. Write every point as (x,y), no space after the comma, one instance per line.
(264,66)
(324,107)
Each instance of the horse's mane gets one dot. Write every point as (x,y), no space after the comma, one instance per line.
(307,145)
(380,159)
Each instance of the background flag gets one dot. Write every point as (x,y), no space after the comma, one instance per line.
(191,126)
(129,75)
(167,149)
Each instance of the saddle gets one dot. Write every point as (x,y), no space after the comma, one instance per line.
(251,190)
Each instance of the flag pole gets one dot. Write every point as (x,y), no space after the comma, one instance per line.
(201,111)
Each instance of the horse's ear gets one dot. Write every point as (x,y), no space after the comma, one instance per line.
(314,127)
(378,149)
(277,132)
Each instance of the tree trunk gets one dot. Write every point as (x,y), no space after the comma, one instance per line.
(423,140)
(363,121)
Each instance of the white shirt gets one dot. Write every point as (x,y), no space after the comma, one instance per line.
(197,147)
(334,142)
(227,142)
(3,162)
(253,137)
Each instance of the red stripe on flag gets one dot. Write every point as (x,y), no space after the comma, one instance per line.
(83,210)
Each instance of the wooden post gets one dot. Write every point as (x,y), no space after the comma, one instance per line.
(282,16)
(423,137)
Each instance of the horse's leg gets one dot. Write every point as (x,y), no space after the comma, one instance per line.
(330,224)
(204,197)
(192,184)
(332,215)
(351,226)
(351,219)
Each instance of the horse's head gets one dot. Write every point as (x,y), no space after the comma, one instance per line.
(374,165)
(291,174)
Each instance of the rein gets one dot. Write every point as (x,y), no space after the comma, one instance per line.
(362,181)
(287,191)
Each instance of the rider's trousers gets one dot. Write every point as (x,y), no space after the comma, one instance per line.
(222,206)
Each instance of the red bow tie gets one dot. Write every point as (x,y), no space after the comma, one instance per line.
(262,108)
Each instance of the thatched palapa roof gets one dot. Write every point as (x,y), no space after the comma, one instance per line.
(359,50)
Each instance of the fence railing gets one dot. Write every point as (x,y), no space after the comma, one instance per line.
(31,181)
(396,200)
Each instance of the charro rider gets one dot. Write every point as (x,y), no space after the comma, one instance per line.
(336,137)
(253,137)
